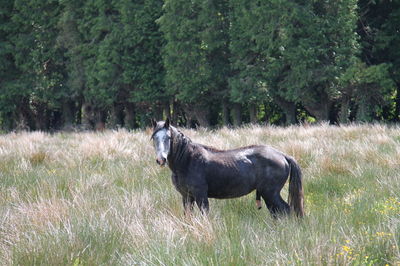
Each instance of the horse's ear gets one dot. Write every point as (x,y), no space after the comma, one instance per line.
(153,123)
(166,124)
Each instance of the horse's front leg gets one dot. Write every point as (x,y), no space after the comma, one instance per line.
(188,202)
(198,188)
(202,202)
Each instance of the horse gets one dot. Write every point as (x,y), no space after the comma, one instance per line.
(200,172)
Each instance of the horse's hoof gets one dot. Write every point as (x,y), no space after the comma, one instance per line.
(258,203)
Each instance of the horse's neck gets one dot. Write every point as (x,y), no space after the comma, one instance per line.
(179,151)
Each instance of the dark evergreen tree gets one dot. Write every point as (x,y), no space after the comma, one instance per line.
(379,24)
(33,91)
(71,41)
(113,51)
(311,44)
(96,63)
(196,54)
(9,73)
(142,66)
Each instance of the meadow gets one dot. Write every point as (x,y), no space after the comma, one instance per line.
(100,199)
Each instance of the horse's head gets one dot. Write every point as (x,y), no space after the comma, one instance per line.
(162,139)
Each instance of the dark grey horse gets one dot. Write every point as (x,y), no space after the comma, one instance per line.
(200,172)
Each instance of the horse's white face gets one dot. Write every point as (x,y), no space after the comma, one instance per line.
(161,140)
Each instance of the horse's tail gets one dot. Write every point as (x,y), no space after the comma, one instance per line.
(296,196)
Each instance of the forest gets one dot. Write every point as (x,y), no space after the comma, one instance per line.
(69,64)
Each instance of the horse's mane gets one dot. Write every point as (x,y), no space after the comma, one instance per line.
(180,148)
(186,140)
(209,148)
(180,136)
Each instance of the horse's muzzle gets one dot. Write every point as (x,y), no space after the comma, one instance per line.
(161,161)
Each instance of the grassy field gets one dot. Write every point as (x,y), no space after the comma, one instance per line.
(100,199)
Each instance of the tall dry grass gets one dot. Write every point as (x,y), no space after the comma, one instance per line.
(100,199)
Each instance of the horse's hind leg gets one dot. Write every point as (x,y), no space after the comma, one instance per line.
(274,180)
(281,207)
(258,200)
(275,204)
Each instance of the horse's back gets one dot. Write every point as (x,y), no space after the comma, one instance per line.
(234,173)
(270,157)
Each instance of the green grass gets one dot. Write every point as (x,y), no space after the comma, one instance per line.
(100,199)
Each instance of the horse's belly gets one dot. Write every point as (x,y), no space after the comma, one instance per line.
(227,194)
(231,186)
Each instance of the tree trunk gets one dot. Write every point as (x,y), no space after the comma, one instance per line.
(130,122)
(321,113)
(253,113)
(87,116)
(319,109)
(99,119)
(201,115)
(175,113)
(344,109)
(289,109)
(236,114)
(225,113)
(364,109)
(24,116)
(158,112)
(266,117)
(290,114)
(397,110)
(41,116)
(22,123)
(189,114)
(116,119)
(8,123)
(167,110)
(68,116)
(78,113)
(197,115)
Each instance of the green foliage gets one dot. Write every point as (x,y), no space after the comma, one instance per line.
(130,59)
(141,46)
(123,46)
(293,51)
(33,71)
(246,83)
(195,32)
(371,87)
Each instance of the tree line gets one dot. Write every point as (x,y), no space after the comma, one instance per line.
(92,64)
